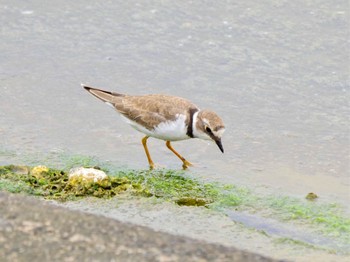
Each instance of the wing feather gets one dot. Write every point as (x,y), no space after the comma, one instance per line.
(151,110)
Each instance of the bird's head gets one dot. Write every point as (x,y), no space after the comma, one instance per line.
(209,126)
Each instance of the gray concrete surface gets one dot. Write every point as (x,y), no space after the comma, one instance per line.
(32,230)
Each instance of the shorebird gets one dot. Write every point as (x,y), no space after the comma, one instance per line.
(165,117)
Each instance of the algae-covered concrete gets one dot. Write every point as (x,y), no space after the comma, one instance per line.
(32,230)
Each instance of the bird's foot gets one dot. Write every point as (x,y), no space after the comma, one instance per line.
(186,164)
(156,166)
(151,165)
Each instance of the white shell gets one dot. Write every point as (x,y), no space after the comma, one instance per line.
(87,174)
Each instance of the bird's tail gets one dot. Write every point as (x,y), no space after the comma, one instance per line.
(105,96)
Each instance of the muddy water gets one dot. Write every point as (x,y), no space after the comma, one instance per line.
(277,72)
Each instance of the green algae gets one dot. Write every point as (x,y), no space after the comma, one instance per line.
(329,216)
(55,184)
(302,244)
(166,184)
(18,187)
(172,185)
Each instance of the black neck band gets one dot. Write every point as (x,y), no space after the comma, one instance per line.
(192,111)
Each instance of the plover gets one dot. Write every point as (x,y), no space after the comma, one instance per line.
(169,118)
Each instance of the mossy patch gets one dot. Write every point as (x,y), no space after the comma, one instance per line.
(172,185)
(166,184)
(54,184)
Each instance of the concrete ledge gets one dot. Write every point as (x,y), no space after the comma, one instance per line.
(32,230)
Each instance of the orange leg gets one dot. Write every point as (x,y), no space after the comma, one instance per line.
(186,164)
(144,143)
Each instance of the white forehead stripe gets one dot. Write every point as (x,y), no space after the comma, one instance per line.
(205,121)
(220,132)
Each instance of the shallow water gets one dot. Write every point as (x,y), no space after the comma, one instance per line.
(277,72)
(205,224)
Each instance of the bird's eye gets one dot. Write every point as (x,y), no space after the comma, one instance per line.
(208,129)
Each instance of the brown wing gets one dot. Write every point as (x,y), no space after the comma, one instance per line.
(150,110)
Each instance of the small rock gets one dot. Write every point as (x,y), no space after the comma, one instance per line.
(79,238)
(87,174)
(311,196)
(190,201)
(38,170)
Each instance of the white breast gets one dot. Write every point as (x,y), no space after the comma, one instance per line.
(172,130)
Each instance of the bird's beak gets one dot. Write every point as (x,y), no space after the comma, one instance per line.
(218,142)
